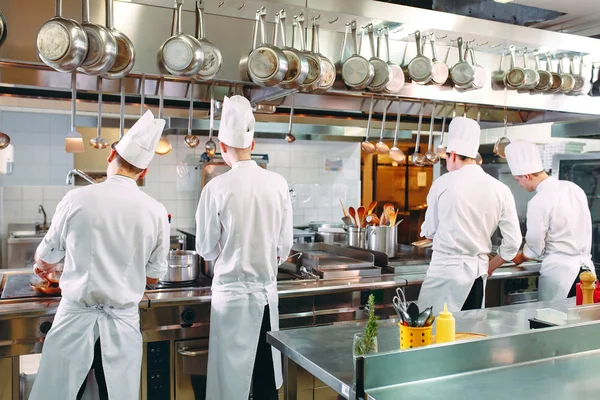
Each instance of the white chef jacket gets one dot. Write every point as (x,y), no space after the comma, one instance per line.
(464,208)
(558,221)
(112,236)
(246,242)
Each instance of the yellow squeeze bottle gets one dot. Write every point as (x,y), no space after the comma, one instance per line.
(445,327)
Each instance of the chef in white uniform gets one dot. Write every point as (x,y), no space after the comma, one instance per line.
(559,223)
(114,239)
(244,221)
(464,208)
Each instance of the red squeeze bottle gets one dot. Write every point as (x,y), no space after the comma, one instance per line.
(169,218)
(597,293)
(578,295)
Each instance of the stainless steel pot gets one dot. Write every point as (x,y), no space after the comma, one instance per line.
(182,266)
(102,46)
(356,237)
(125,50)
(213,59)
(383,239)
(267,64)
(208,268)
(330,235)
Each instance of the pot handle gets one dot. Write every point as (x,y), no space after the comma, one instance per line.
(199,20)
(180,266)
(192,353)
(281,22)
(344,43)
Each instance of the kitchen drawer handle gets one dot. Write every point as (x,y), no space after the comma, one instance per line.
(192,353)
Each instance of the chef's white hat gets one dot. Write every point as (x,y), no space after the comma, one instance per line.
(463,137)
(138,145)
(237,122)
(523,158)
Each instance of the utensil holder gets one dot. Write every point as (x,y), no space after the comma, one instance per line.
(356,237)
(383,239)
(414,337)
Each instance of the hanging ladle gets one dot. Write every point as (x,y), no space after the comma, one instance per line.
(367,146)
(383,148)
(164,145)
(190,139)
(121,113)
(478,158)
(211,146)
(395,153)
(441,149)
(419,159)
(432,157)
(290,138)
(99,142)
(501,143)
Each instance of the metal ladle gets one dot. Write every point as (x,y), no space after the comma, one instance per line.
(164,146)
(290,138)
(419,159)
(99,142)
(121,113)
(367,146)
(211,146)
(5,139)
(501,143)
(432,157)
(395,153)
(190,139)
(478,158)
(441,149)
(381,147)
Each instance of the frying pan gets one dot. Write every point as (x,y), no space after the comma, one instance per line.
(383,71)
(243,66)
(556,78)
(462,73)
(181,54)
(62,43)
(532,78)
(578,78)
(297,62)
(498,76)
(545,77)
(420,68)
(440,72)
(327,66)
(213,59)
(568,82)
(397,80)
(102,46)
(315,69)
(125,50)
(515,77)
(267,64)
(3,28)
(357,71)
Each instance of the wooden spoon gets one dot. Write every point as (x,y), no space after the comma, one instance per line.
(343,208)
(361,212)
(371,207)
(353,215)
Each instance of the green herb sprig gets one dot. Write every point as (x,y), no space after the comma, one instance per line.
(366,343)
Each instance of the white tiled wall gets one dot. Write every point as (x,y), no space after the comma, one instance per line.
(41,165)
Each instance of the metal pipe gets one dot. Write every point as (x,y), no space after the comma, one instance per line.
(80,173)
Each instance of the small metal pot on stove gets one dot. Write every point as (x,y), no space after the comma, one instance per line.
(182,266)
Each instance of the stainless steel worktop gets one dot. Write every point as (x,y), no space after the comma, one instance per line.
(305,347)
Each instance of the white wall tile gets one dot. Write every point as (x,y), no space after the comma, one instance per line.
(53,193)
(33,193)
(12,193)
(13,210)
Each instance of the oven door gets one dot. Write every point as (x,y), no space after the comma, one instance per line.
(191,362)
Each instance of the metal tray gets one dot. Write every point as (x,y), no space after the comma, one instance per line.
(321,256)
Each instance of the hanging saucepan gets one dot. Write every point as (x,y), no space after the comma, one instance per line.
(181,54)
(125,50)
(587,84)
(3,29)
(397,81)
(532,78)
(243,66)
(545,77)
(462,73)
(568,82)
(578,78)
(102,46)
(440,71)
(480,76)
(213,60)
(383,72)
(62,43)
(515,77)
(267,64)
(498,76)
(297,62)
(327,66)
(357,72)
(315,69)
(556,78)
(420,68)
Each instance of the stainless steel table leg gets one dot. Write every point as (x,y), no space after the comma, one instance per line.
(290,379)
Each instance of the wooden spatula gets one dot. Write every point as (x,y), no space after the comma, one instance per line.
(371,207)
(353,215)
(361,213)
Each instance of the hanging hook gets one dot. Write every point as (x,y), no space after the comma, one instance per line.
(334,21)
(482,44)
(441,37)
(398,30)
(242,6)
(496,46)
(221,4)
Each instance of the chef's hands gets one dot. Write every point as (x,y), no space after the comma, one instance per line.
(494,264)
(43,274)
(519,259)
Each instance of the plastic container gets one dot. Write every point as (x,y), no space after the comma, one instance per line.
(445,326)
(414,337)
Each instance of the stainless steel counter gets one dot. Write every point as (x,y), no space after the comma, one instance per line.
(326,352)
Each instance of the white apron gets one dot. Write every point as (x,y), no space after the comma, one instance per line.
(449,280)
(68,352)
(558,273)
(236,315)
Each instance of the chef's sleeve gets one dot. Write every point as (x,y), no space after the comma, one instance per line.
(156,268)
(53,247)
(431,222)
(208,226)
(538,222)
(509,228)
(286,235)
